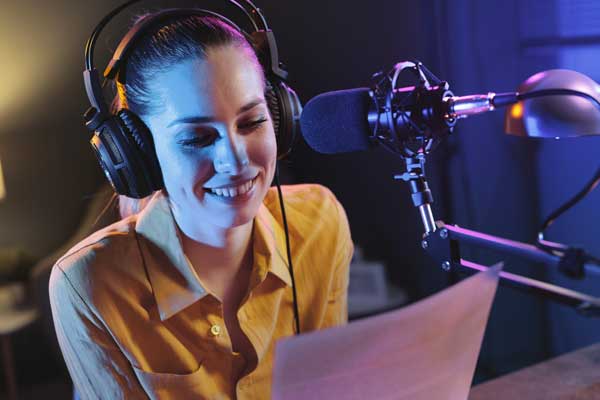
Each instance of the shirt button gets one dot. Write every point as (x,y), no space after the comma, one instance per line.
(215,330)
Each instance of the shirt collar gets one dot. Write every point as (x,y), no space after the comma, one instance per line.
(175,290)
(269,246)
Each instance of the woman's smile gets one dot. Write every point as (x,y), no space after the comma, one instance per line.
(235,193)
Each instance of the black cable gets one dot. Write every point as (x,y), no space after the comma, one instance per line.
(580,195)
(591,184)
(557,92)
(289,254)
(557,248)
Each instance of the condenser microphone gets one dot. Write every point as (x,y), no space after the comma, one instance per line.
(349,120)
(336,122)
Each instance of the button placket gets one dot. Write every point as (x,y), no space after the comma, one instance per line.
(216,328)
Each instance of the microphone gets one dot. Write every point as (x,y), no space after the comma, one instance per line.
(336,122)
(400,118)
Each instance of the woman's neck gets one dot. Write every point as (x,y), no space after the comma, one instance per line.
(221,256)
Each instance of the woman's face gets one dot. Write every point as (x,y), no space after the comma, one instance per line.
(214,139)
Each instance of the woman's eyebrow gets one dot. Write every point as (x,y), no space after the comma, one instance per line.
(191,120)
(251,105)
(204,119)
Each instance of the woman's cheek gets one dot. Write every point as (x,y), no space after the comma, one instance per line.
(268,146)
(199,169)
(184,169)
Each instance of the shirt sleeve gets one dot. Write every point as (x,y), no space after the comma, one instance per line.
(97,366)
(336,312)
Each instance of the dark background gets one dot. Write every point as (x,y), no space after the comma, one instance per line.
(480,178)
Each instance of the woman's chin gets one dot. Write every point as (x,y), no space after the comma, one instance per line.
(227,215)
(232,220)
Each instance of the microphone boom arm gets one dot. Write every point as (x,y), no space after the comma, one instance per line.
(444,246)
(410,122)
(442,242)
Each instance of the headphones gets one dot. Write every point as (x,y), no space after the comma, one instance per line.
(123,143)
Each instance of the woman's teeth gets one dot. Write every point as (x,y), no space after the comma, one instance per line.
(234,191)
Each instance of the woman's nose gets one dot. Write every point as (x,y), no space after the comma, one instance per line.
(231,156)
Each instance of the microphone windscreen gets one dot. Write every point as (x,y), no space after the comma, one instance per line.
(336,122)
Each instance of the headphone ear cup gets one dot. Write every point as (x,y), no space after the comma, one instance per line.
(124,148)
(148,176)
(285,109)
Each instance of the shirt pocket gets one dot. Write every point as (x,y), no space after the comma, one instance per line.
(166,386)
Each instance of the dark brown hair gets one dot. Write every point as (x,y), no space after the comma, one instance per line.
(174,41)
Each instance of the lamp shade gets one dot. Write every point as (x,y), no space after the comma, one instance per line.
(557,115)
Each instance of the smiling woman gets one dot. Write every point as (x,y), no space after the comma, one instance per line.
(186,297)
(216,134)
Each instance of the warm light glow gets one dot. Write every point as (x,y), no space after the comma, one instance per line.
(516,111)
(2,188)
(35,44)
(28,65)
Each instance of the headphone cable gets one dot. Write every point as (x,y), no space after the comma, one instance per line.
(287,243)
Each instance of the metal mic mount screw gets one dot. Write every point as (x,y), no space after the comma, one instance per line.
(446,266)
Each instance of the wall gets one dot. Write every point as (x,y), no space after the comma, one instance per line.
(49,169)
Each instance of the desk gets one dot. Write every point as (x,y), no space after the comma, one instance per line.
(572,376)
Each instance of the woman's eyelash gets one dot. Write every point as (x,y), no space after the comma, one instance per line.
(255,123)
(198,141)
(207,139)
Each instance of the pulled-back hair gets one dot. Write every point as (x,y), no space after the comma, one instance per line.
(175,40)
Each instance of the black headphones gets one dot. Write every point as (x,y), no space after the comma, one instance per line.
(123,143)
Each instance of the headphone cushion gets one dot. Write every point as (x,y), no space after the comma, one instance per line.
(274,106)
(285,109)
(142,145)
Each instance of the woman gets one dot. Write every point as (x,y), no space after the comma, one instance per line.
(187,298)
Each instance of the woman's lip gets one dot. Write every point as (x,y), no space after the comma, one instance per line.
(230,185)
(241,198)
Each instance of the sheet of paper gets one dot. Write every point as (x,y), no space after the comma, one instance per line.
(427,350)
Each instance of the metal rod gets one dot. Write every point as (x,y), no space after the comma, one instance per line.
(427,218)
(562,295)
(506,246)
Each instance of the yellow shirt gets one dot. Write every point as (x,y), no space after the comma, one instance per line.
(134,321)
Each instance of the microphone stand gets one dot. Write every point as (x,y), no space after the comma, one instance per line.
(421,195)
(410,122)
(442,242)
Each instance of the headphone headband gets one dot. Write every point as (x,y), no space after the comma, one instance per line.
(252,12)
(262,39)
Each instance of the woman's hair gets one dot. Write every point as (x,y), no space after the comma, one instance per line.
(174,41)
